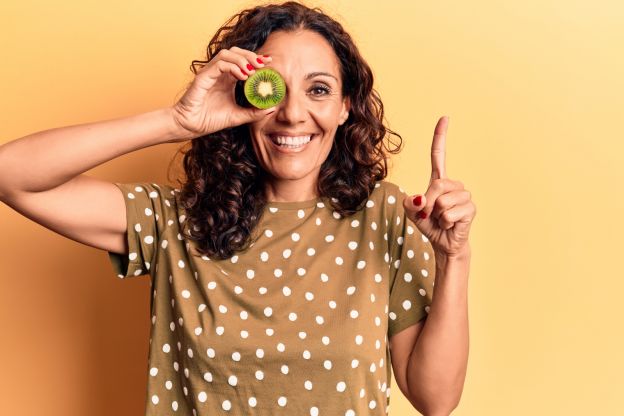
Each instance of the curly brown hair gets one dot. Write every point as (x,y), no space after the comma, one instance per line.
(224,190)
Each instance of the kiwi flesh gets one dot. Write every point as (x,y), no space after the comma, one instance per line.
(265,88)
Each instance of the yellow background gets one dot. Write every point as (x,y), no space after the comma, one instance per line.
(534,94)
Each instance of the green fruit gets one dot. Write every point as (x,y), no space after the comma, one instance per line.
(265,88)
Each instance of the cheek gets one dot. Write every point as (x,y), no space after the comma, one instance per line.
(327,115)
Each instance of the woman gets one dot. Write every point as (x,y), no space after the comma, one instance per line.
(286,272)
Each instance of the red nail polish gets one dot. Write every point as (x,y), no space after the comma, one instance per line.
(259,60)
(249,67)
(422,214)
(243,71)
(266,56)
(417,199)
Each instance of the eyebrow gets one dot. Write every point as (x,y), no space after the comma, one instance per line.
(314,74)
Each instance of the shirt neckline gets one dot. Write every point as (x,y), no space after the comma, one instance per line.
(294,204)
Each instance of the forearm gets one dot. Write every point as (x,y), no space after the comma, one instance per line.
(46,159)
(437,365)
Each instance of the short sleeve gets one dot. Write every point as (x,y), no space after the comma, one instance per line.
(147,209)
(412,268)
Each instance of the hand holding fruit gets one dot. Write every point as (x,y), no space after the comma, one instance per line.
(445,212)
(209,105)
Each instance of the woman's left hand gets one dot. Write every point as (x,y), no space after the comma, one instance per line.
(446,206)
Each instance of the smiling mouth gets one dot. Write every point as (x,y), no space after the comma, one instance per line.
(284,143)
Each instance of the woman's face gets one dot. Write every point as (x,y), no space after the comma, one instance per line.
(313,105)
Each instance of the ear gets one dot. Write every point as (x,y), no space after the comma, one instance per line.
(346,106)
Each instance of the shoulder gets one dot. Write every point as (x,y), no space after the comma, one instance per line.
(388,193)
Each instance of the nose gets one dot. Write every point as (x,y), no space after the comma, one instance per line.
(292,109)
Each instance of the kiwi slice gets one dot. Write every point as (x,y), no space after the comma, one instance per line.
(265,88)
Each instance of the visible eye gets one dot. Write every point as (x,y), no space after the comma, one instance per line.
(323,88)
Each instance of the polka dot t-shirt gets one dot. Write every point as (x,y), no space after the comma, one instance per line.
(297,324)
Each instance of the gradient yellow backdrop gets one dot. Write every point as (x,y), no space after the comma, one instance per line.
(534,94)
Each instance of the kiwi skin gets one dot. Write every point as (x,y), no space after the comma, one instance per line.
(264,88)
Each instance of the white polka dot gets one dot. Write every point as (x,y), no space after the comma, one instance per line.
(353,245)
(282,401)
(250,274)
(339,260)
(281,347)
(422,292)
(341,386)
(300,213)
(358,339)
(210,352)
(286,290)
(286,253)
(319,319)
(166,348)
(153,371)
(202,396)
(355,223)
(232,380)
(306,354)
(372,404)
(226,405)
(208,376)
(350,290)
(311,251)
(378,278)
(308,385)
(329,238)
(130,195)
(301,271)
(186,294)
(137,227)
(164,244)
(284,369)
(252,402)
(354,314)
(309,295)
(168,385)
(327,364)
(314,411)
(295,236)
(181,264)
(361,264)
(148,212)
(354,363)
(132,256)
(236,356)
(264,256)
(406,304)
(268,311)
(325,340)
(391,199)
(268,233)
(155,399)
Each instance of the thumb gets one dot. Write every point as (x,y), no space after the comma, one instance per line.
(255,114)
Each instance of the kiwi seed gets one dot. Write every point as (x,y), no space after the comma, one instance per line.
(265,88)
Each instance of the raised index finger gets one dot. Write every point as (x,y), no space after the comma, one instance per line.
(438,149)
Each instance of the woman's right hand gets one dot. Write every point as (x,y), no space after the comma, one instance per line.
(208,105)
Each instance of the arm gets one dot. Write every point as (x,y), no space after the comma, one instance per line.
(46,159)
(40,175)
(436,367)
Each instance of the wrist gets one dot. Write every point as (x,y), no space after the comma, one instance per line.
(461,256)
(177,133)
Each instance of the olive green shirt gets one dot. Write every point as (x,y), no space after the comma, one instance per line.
(297,324)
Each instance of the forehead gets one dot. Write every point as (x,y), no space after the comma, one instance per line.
(300,52)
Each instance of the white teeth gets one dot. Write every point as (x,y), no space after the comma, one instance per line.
(296,141)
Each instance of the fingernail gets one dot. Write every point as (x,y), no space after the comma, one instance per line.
(417,200)
(422,214)
(249,67)
(243,71)
(259,60)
